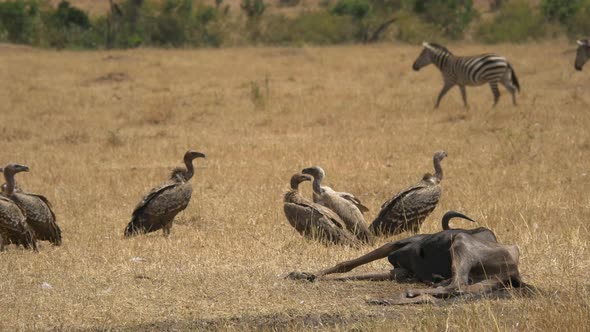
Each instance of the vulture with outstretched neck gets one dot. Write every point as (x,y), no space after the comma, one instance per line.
(408,209)
(13,224)
(159,207)
(38,212)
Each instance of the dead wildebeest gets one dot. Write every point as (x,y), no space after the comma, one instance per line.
(468,262)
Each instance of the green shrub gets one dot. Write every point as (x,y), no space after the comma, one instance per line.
(412,29)
(358,9)
(515,22)
(178,24)
(131,25)
(169,30)
(318,28)
(370,17)
(253,8)
(73,38)
(452,16)
(579,25)
(560,10)
(171,24)
(19,20)
(289,3)
(386,6)
(206,27)
(67,26)
(66,16)
(496,4)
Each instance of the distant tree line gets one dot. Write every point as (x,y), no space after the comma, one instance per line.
(189,23)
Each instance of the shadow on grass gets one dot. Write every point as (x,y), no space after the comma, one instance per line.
(273,322)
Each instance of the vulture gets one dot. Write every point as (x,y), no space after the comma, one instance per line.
(13,224)
(408,209)
(346,209)
(312,220)
(37,210)
(159,207)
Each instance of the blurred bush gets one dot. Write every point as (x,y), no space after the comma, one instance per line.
(320,28)
(451,16)
(67,26)
(413,29)
(515,22)
(560,10)
(578,26)
(357,9)
(20,20)
(197,23)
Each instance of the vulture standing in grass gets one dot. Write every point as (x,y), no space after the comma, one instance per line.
(312,220)
(346,209)
(38,212)
(159,207)
(408,209)
(13,225)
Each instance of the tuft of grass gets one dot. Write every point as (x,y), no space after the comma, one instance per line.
(158,116)
(259,93)
(114,138)
(75,137)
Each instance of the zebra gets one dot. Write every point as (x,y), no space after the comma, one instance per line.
(468,70)
(583,53)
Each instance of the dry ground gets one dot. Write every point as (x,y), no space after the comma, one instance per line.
(99,129)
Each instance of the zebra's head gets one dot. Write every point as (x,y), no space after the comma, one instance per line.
(426,57)
(582,54)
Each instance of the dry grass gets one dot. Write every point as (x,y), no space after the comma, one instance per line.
(99,129)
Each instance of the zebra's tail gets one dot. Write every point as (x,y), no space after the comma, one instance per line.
(514,78)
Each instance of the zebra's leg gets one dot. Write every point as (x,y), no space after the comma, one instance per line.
(495,91)
(464,95)
(443,92)
(512,89)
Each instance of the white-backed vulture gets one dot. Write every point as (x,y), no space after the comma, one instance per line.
(314,221)
(408,209)
(159,207)
(347,196)
(13,224)
(38,212)
(344,208)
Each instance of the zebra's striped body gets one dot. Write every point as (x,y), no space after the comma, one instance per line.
(582,54)
(469,71)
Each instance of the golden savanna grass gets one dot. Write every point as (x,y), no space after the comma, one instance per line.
(99,129)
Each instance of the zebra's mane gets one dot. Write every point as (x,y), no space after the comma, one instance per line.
(435,46)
